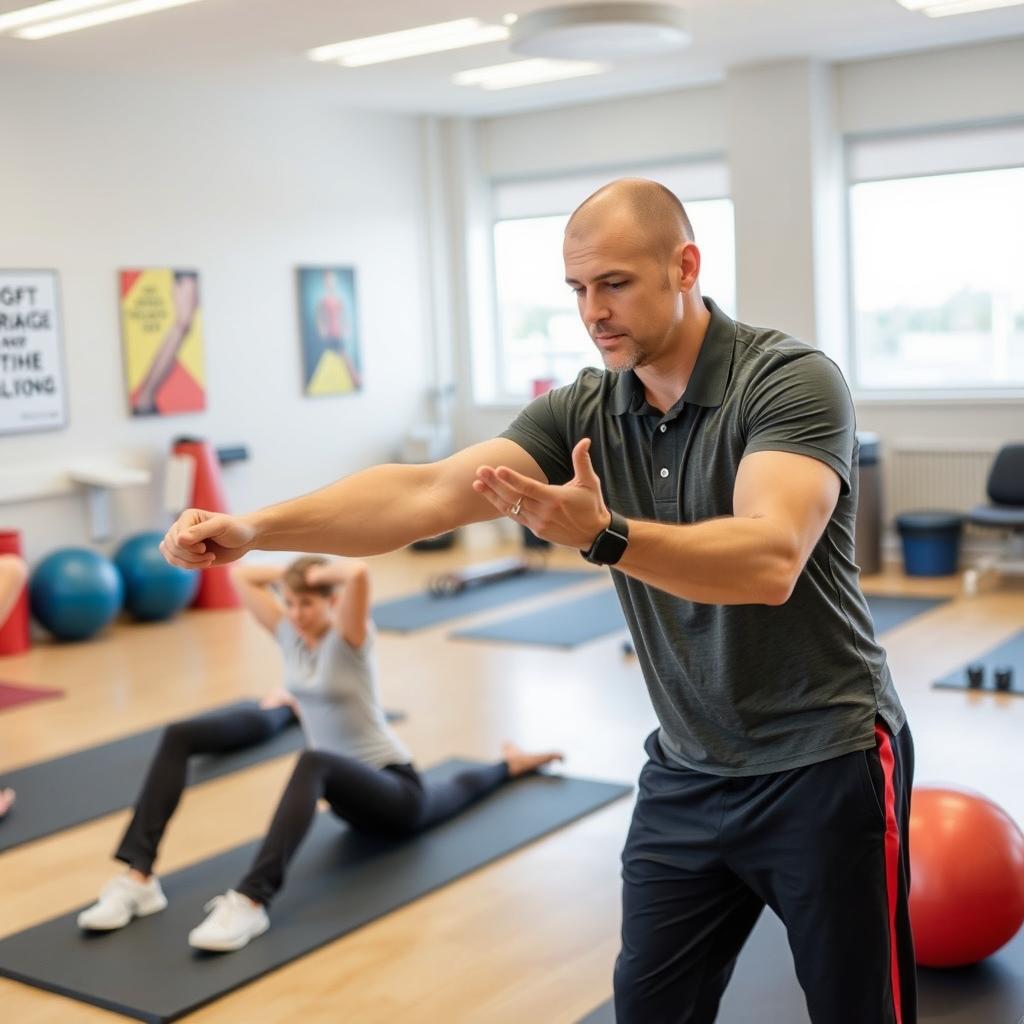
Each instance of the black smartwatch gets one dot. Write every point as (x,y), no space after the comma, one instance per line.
(610,544)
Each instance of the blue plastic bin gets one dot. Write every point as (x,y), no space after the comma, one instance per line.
(931,542)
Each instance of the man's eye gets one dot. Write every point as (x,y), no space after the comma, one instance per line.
(617,284)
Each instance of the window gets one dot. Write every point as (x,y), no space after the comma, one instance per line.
(937,262)
(540,337)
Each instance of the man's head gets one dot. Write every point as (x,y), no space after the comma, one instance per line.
(309,605)
(631,259)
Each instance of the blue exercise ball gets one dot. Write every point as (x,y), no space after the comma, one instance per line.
(75,592)
(153,588)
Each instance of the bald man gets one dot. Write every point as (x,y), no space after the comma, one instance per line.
(713,465)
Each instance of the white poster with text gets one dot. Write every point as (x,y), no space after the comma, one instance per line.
(31,352)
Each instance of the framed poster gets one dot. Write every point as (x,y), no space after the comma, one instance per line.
(162,335)
(32,395)
(328,327)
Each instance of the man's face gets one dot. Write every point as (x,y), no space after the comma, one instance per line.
(628,298)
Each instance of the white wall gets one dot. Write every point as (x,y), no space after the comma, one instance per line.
(780,127)
(100,174)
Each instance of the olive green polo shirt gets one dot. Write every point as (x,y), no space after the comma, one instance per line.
(738,689)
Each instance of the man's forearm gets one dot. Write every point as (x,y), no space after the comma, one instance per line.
(368,513)
(733,560)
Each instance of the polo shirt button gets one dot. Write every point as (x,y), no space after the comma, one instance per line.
(664,473)
(663,428)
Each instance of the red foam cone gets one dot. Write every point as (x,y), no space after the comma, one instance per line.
(14,633)
(215,587)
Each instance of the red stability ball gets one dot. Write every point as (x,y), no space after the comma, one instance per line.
(966,876)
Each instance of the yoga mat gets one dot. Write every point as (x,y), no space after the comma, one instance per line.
(418,611)
(991,992)
(67,791)
(567,624)
(580,619)
(890,612)
(1006,655)
(339,881)
(13,694)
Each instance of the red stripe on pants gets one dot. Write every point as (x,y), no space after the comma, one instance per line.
(892,859)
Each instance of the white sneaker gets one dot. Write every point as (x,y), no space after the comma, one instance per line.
(234,920)
(121,899)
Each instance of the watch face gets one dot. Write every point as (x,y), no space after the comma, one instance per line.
(610,544)
(608,548)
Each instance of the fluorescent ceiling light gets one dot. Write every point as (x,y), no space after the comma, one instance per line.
(101,17)
(526,72)
(40,12)
(412,42)
(944,8)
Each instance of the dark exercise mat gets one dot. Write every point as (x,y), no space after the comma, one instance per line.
(418,611)
(339,881)
(764,987)
(890,612)
(567,624)
(1007,655)
(67,791)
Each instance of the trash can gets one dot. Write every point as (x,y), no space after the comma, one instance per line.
(931,542)
(868,531)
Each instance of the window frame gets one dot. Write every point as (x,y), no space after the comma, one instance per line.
(959,136)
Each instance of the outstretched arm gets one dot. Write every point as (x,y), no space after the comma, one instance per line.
(371,512)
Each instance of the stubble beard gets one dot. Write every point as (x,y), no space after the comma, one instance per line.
(623,362)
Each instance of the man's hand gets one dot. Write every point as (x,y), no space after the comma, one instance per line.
(198,539)
(572,514)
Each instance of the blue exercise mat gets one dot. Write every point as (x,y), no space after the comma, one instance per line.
(1007,655)
(566,624)
(764,987)
(890,612)
(420,611)
(580,619)
(339,881)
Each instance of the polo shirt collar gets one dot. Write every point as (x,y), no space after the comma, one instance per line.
(710,375)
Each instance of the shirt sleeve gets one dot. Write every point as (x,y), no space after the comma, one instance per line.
(803,405)
(541,431)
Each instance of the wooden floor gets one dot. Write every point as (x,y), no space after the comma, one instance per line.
(530,938)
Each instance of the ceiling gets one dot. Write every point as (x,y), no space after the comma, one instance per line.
(264,41)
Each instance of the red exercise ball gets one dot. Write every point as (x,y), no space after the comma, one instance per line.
(966,876)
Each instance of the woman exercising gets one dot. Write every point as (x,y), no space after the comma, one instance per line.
(13,575)
(353,760)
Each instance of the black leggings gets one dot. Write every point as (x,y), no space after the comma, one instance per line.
(214,733)
(392,801)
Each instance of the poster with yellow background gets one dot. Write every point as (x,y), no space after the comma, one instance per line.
(162,334)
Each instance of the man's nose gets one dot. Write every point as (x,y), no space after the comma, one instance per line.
(595,309)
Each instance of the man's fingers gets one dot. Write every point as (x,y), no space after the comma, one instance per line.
(509,486)
(184,558)
(581,464)
(491,495)
(197,532)
(522,485)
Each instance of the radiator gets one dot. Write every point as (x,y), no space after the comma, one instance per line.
(935,475)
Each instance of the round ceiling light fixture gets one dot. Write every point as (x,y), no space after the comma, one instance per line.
(600,31)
